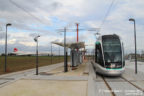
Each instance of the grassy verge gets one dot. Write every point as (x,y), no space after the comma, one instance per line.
(18,63)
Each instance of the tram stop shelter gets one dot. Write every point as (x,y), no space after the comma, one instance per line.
(76,54)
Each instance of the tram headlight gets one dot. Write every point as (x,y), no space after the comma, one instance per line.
(112,66)
(108,61)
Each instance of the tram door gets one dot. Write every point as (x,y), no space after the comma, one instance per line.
(98,55)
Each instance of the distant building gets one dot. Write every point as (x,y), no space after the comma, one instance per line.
(142,55)
(27,54)
(132,56)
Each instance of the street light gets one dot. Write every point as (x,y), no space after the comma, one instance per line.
(59,55)
(131,19)
(8,24)
(51,53)
(36,40)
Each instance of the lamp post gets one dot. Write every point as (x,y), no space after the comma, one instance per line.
(9,24)
(131,19)
(65,52)
(51,53)
(59,55)
(36,40)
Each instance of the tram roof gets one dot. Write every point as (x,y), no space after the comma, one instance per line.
(108,35)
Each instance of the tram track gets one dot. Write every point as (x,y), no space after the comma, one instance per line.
(123,78)
(111,88)
(132,84)
(106,83)
(108,86)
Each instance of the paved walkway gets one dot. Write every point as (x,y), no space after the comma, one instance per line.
(83,81)
(12,77)
(51,81)
(131,65)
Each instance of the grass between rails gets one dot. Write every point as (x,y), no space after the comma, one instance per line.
(18,63)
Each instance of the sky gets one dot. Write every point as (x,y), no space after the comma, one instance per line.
(30,18)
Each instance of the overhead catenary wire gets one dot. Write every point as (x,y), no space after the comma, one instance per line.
(107,13)
(18,6)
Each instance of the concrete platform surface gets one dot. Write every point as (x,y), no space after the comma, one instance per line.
(51,81)
(12,77)
(45,88)
(83,81)
(79,71)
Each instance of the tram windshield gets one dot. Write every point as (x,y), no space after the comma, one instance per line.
(112,49)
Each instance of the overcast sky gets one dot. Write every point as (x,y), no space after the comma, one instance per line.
(45,17)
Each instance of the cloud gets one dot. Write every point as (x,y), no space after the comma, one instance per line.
(117,22)
(2,35)
(54,14)
(22,19)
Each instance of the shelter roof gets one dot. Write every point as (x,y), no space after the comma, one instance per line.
(71,45)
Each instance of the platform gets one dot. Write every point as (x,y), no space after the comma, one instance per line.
(83,81)
(50,82)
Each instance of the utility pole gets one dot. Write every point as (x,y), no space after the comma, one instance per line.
(77,24)
(36,40)
(6,50)
(135,47)
(59,54)
(5,69)
(131,19)
(65,52)
(51,53)
(37,59)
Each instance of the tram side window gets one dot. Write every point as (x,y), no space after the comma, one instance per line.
(123,55)
(99,58)
(95,53)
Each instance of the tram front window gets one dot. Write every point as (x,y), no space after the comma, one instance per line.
(112,50)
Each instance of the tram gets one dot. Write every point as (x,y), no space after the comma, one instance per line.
(109,55)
